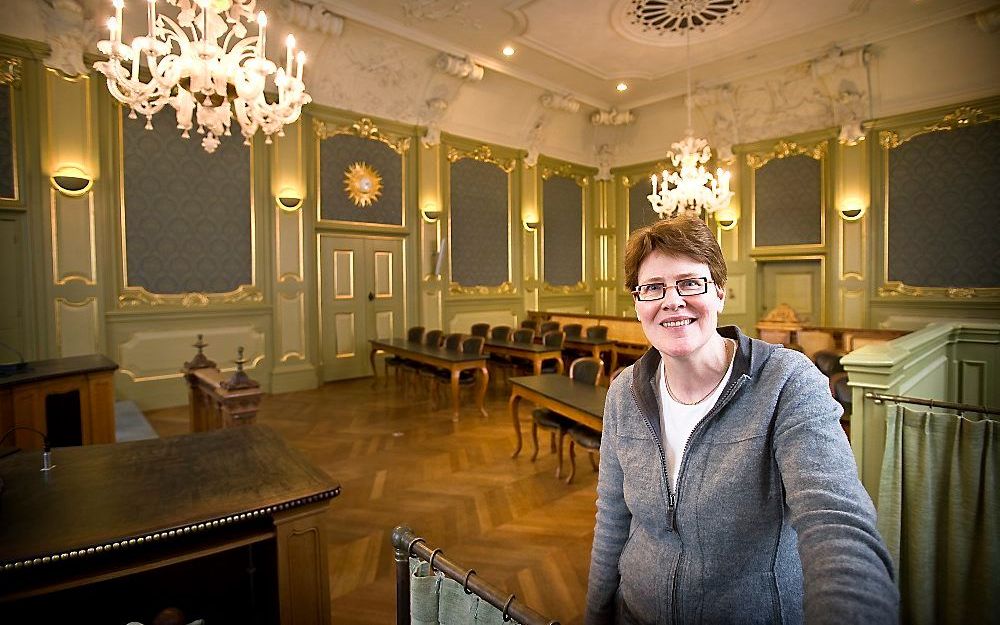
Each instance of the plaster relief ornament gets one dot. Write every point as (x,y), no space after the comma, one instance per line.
(362,184)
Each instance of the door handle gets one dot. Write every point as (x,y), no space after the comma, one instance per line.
(371,296)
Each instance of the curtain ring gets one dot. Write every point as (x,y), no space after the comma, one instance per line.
(465,583)
(409,547)
(431,560)
(506,617)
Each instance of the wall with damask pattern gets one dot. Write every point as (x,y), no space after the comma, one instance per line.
(788,202)
(479,223)
(6,144)
(187,213)
(336,155)
(562,201)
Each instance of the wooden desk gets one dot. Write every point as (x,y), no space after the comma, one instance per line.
(527,351)
(584,403)
(86,384)
(595,346)
(452,360)
(106,513)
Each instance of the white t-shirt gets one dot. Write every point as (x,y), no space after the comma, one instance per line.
(678,420)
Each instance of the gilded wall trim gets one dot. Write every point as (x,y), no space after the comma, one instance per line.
(566,171)
(484,154)
(579,287)
(784,149)
(13,79)
(962,117)
(505,288)
(137,296)
(364,128)
(10,71)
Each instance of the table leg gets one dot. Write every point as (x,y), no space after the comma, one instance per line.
(614,359)
(560,367)
(515,402)
(371,357)
(454,394)
(484,381)
(537,365)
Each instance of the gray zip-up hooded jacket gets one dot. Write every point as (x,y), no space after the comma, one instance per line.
(769,522)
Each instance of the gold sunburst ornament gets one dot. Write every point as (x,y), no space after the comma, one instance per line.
(362,184)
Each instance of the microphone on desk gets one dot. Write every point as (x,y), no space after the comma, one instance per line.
(9,368)
(46,447)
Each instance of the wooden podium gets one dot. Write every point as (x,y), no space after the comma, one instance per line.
(215,401)
(70,400)
(227,526)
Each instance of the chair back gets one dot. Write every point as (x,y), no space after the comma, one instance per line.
(453,341)
(597,332)
(530,323)
(501,333)
(415,334)
(473,345)
(433,338)
(524,335)
(553,338)
(573,330)
(587,370)
(828,361)
(480,329)
(548,326)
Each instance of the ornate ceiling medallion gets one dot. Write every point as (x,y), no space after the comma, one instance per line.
(362,184)
(679,16)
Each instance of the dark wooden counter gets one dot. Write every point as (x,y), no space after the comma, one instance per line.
(129,507)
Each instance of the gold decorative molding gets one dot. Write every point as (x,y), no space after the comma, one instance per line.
(483,154)
(565,171)
(10,71)
(962,117)
(363,184)
(579,287)
(364,128)
(506,288)
(897,289)
(784,149)
(138,297)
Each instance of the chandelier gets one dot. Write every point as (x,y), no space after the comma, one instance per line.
(204,65)
(690,187)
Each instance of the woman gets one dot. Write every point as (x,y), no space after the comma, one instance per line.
(727,491)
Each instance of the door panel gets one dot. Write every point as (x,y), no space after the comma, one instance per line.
(361,298)
(796,283)
(11,285)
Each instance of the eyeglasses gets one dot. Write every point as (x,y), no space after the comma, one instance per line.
(658,290)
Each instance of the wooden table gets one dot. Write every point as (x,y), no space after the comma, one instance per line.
(594,346)
(82,409)
(527,351)
(454,361)
(581,402)
(117,529)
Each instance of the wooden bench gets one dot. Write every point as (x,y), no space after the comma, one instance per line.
(215,401)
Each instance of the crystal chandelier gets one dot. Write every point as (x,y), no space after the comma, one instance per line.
(690,187)
(204,64)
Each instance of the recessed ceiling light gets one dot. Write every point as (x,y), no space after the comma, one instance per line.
(508,51)
(621,87)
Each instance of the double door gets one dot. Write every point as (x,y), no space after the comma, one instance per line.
(361,298)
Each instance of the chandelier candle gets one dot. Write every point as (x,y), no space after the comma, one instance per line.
(203,64)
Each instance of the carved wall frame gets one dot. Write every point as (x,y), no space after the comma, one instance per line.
(892,138)
(138,297)
(484,154)
(11,70)
(816,150)
(582,180)
(364,128)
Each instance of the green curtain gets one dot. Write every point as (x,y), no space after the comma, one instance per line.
(439,600)
(937,511)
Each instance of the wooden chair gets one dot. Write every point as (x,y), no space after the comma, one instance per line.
(480,329)
(432,338)
(842,393)
(548,326)
(523,335)
(414,335)
(573,330)
(587,370)
(469,345)
(553,339)
(531,324)
(451,342)
(499,362)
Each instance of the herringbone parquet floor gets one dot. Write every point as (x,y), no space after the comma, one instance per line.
(400,462)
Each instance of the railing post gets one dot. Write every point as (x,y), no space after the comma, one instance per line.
(401,537)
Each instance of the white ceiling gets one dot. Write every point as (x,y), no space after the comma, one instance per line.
(584,48)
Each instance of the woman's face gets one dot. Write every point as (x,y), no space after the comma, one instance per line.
(678,326)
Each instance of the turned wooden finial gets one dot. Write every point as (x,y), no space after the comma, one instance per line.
(240,379)
(200,361)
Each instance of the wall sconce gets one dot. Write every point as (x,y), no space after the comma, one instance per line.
(726,220)
(531,226)
(430,213)
(851,209)
(71,181)
(288,200)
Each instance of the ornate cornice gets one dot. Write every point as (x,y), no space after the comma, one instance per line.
(506,288)
(962,117)
(784,149)
(364,128)
(565,171)
(484,154)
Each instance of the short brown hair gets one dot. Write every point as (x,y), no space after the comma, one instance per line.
(685,235)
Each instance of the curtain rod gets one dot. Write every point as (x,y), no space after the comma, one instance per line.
(879,398)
